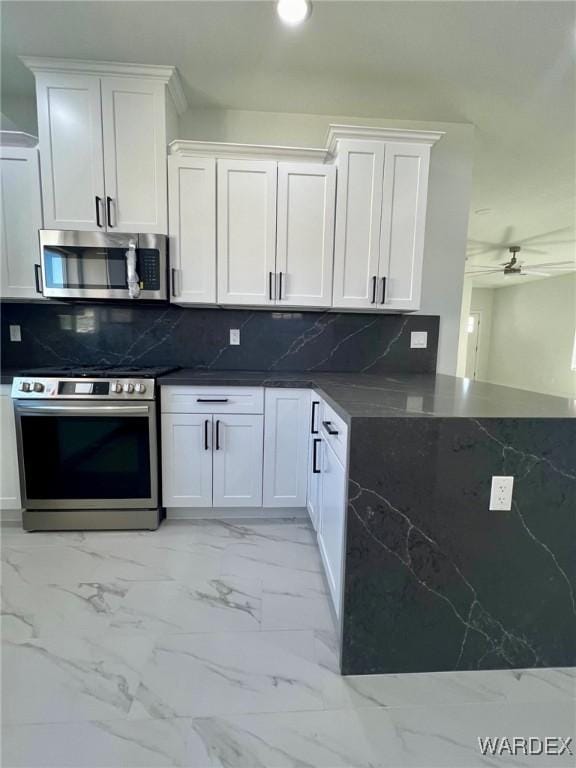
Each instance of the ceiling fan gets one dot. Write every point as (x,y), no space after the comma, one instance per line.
(514,267)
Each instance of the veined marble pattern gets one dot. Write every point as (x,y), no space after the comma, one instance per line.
(212,644)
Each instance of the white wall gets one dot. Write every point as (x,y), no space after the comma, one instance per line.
(449,194)
(463,331)
(532,337)
(482,300)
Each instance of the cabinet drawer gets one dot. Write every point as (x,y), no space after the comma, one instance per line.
(182,399)
(334,431)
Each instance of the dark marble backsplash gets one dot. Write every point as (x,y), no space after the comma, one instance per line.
(86,334)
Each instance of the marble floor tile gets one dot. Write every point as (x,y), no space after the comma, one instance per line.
(202,604)
(67,678)
(267,559)
(59,564)
(104,744)
(298,601)
(230,672)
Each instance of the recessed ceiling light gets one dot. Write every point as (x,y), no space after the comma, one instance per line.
(293,12)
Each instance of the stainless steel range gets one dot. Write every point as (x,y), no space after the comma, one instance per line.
(88,448)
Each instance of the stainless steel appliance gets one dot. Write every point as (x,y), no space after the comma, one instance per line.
(101,265)
(88,449)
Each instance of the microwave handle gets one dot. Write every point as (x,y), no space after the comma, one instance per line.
(132,279)
(38,278)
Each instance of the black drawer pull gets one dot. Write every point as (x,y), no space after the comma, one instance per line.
(98,222)
(374,281)
(109,211)
(329,428)
(206,424)
(211,400)
(383,301)
(315,469)
(218,434)
(313,429)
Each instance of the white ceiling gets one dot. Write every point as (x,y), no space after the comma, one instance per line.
(506,67)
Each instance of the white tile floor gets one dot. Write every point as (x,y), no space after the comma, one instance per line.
(211,644)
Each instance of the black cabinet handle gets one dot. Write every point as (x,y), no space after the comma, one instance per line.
(383,301)
(313,430)
(315,469)
(206,423)
(374,281)
(98,202)
(109,211)
(329,428)
(211,400)
(270,274)
(173,275)
(38,277)
(280,286)
(218,434)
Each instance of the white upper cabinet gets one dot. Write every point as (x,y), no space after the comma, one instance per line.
(70,134)
(20,220)
(358,211)
(103,131)
(380,216)
(134,131)
(405,192)
(192,228)
(305,240)
(246,214)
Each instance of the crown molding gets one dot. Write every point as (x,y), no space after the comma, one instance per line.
(186,148)
(338,133)
(164,73)
(18,139)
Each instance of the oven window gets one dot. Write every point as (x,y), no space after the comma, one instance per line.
(87,457)
(80,267)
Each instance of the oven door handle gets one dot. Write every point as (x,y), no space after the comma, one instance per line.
(73,409)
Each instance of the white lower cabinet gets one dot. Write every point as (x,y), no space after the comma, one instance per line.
(9,482)
(187,460)
(314,455)
(287,413)
(332,521)
(214,457)
(237,456)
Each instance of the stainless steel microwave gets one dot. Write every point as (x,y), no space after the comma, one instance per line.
(100,265)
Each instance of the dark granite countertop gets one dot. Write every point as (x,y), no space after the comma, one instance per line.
(361,395)
(7,375)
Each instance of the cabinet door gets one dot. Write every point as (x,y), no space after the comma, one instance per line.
(314,476)
(134,130)
(20,220)
(70,133)
(9,480)
(238,461)
(192,229)
(358,212)
(332,520)
(305,244)
(404,198)
(246,232)
(286,429)
(186,460)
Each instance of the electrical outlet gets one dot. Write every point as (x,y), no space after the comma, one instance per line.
(15,333)
(501,493)
(419,339)
(234,336)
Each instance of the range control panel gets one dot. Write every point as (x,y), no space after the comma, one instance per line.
(25,387)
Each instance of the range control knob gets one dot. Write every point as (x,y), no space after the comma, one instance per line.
(38,386)
(129,387)
(24,386)
(116,386)
(140,388)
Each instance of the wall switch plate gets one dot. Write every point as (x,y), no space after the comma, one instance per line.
(15,333)
(501,493)
(234,336)
(418,339)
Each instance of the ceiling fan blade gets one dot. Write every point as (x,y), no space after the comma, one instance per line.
(479,274)
(533,272)
(554,264)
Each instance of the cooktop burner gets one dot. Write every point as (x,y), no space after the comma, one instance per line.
(101,372)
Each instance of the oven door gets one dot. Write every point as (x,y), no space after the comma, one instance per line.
(94,265)
(97,455)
